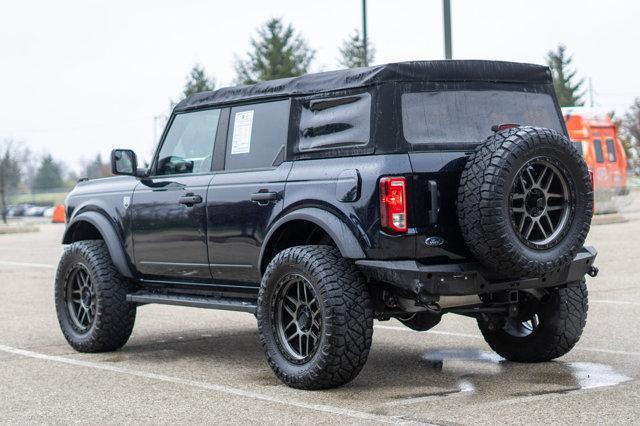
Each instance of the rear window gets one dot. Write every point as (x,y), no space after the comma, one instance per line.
(597,147)
(611,151)
(466,116)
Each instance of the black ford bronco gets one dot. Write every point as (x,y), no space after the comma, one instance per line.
(320,203)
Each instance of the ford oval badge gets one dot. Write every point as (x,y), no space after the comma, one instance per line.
(434,241)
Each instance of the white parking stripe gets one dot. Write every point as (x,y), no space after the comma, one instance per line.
(475,336)
(361,415)
(443,333)
(34,265)
(614,302)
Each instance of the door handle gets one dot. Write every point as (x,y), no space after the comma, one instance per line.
(190,199)
(435,206)
(264,198)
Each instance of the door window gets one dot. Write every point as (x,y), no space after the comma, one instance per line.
(611,151)
(597,147)
(257,135)
(188,146)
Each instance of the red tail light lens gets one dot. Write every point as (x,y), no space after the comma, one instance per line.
(393,204)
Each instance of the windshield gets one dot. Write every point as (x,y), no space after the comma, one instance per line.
(466,116)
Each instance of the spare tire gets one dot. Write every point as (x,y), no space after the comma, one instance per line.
(525,202)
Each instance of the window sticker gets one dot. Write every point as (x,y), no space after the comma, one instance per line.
(241,142)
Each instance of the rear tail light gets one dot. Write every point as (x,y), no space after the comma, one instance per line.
(393,204)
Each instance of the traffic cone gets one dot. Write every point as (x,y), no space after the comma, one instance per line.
(58,214)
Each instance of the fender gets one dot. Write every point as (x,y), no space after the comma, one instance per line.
(338,231)
(109,235)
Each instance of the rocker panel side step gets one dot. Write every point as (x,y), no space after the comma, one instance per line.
(238,305)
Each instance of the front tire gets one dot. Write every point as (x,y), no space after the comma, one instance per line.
(90,298)
(315,317)
(546,329)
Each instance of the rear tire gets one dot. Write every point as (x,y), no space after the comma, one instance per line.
(315,317)
(90,298)
(547,330)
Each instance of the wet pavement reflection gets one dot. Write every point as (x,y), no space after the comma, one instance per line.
(473,371)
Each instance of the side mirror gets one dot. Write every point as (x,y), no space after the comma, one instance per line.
(124,162)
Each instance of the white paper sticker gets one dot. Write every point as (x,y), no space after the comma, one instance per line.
(241,141)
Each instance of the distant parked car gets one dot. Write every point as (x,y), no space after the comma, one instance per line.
(19,210)
(48,212)
(34,211)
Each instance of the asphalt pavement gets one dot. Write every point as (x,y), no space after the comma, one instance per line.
(187,365)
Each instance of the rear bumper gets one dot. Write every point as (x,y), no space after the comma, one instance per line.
(467,278)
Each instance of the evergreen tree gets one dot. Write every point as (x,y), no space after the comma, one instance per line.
(352,52)
(49,175)
(630,134)
(93,169)
(568,90)
(9,173)
(197,81)
(277,52)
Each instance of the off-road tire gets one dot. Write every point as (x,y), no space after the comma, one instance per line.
(483,207)
(114,317)
(562,318)
(347,317)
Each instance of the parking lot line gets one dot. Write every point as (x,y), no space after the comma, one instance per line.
(361,415)
(614,302)
(34,265)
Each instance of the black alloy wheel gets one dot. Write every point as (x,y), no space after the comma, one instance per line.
(541,203)
(298,320)
(81,297)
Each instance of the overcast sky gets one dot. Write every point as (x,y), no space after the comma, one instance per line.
(82,77)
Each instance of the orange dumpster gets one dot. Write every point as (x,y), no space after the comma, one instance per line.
(58,214)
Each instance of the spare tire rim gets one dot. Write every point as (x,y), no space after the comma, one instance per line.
(298,318)
(540,203)
(81,297)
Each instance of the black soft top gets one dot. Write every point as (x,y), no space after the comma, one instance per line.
(411,72)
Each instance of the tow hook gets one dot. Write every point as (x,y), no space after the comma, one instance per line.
(593,271)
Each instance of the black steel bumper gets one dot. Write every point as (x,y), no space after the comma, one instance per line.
(469,278)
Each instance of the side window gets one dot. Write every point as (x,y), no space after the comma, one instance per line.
(578,146)
(335,122)
(188,146)
(257,135)
(611,151)
(597,147)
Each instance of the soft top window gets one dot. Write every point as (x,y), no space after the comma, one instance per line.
(466,116)
(335,122)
